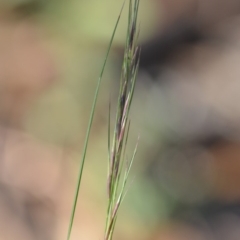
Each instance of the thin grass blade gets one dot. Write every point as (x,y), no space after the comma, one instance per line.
(89,129)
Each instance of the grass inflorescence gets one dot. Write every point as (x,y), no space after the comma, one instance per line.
(119,166)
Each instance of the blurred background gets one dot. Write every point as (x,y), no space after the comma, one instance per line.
(186,176)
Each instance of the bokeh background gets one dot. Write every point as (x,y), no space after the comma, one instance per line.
(185,179)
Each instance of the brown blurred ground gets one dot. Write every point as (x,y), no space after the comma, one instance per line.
(194,84)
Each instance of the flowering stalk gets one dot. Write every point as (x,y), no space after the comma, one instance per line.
(119,169)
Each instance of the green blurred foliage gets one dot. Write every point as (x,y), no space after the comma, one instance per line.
(79,32)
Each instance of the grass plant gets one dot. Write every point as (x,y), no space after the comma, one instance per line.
(118,166)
